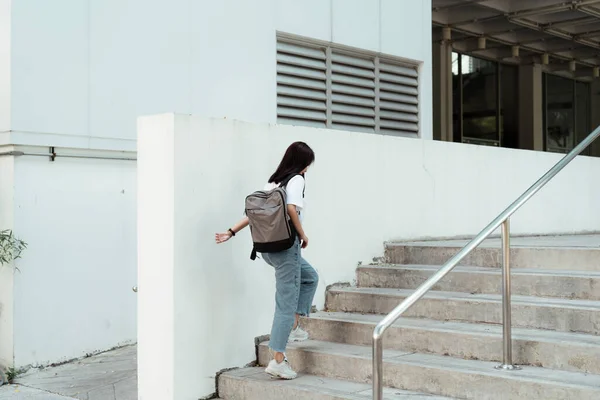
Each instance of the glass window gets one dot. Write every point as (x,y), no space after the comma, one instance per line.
(568,112)
(455,64)
(582,111)
(485,101)
(456,98)
(509,106)
(560,115)
(479,99)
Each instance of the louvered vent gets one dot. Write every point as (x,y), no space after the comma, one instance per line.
(398,99)
(352,93)
(301,85)
(328,87)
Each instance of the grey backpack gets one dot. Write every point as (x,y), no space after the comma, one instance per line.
(271,227)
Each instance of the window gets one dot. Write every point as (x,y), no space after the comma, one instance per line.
(328,86)
(567,113)
(485,101)
(509,106)
(582,111)
(480,101)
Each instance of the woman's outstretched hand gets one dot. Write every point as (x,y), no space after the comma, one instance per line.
(222,237)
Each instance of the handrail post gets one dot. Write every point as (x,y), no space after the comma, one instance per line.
(507,360)
(377,364)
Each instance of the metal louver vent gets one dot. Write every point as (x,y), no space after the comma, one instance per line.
(352,93)
(301,85)
(398,99)
(323,86)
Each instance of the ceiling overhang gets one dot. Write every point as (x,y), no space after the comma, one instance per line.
(563,36)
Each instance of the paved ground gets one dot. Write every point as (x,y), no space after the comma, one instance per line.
(569,241)
(16,392)
(107,376)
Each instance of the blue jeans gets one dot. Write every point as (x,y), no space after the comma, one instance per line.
(296,283)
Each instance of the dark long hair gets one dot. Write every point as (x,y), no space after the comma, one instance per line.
(297,157)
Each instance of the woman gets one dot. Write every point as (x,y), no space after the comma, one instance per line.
(296,280)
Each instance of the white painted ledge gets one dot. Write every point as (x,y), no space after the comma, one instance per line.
(44,139)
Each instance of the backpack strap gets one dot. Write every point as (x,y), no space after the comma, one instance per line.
(253,254)
(287,180)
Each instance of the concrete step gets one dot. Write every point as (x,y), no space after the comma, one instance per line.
(438,253)
(439,375)
(255,384)
(584,285)
(549,349)
(528,312)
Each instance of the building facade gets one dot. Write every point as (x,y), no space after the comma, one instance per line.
(436,101)
(74,78)
(521,76)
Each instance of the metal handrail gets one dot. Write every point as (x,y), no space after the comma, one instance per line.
(500,220)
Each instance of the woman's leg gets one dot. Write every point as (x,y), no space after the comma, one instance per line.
(287,276)
(309,280)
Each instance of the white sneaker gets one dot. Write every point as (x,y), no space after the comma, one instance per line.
(281,370)
(298,335)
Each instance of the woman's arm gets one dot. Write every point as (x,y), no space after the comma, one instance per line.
(293,212)
(223,237)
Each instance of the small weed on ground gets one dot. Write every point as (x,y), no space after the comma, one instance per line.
(12,374)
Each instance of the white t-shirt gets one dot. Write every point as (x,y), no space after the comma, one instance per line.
(294,191)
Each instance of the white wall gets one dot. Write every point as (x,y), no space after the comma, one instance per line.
(90,68)
(77,74)
(156,259)
(73,295)
(5,6)
(364,189)
(6,271)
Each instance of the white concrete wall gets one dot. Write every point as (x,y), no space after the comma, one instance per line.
(156,259)
(77,74)
(73,293)
(6,271)
(194,174)
(90,68)
(5,37)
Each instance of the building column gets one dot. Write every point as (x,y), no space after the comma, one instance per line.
(531,108)
(442,91)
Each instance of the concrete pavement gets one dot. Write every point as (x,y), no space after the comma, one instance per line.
(107,376)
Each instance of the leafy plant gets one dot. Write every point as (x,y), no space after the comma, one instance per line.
(12,373)
(10,247)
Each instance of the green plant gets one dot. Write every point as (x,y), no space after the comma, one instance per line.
(12,373)
(10,247)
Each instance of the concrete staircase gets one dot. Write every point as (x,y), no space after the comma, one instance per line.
(450,341)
